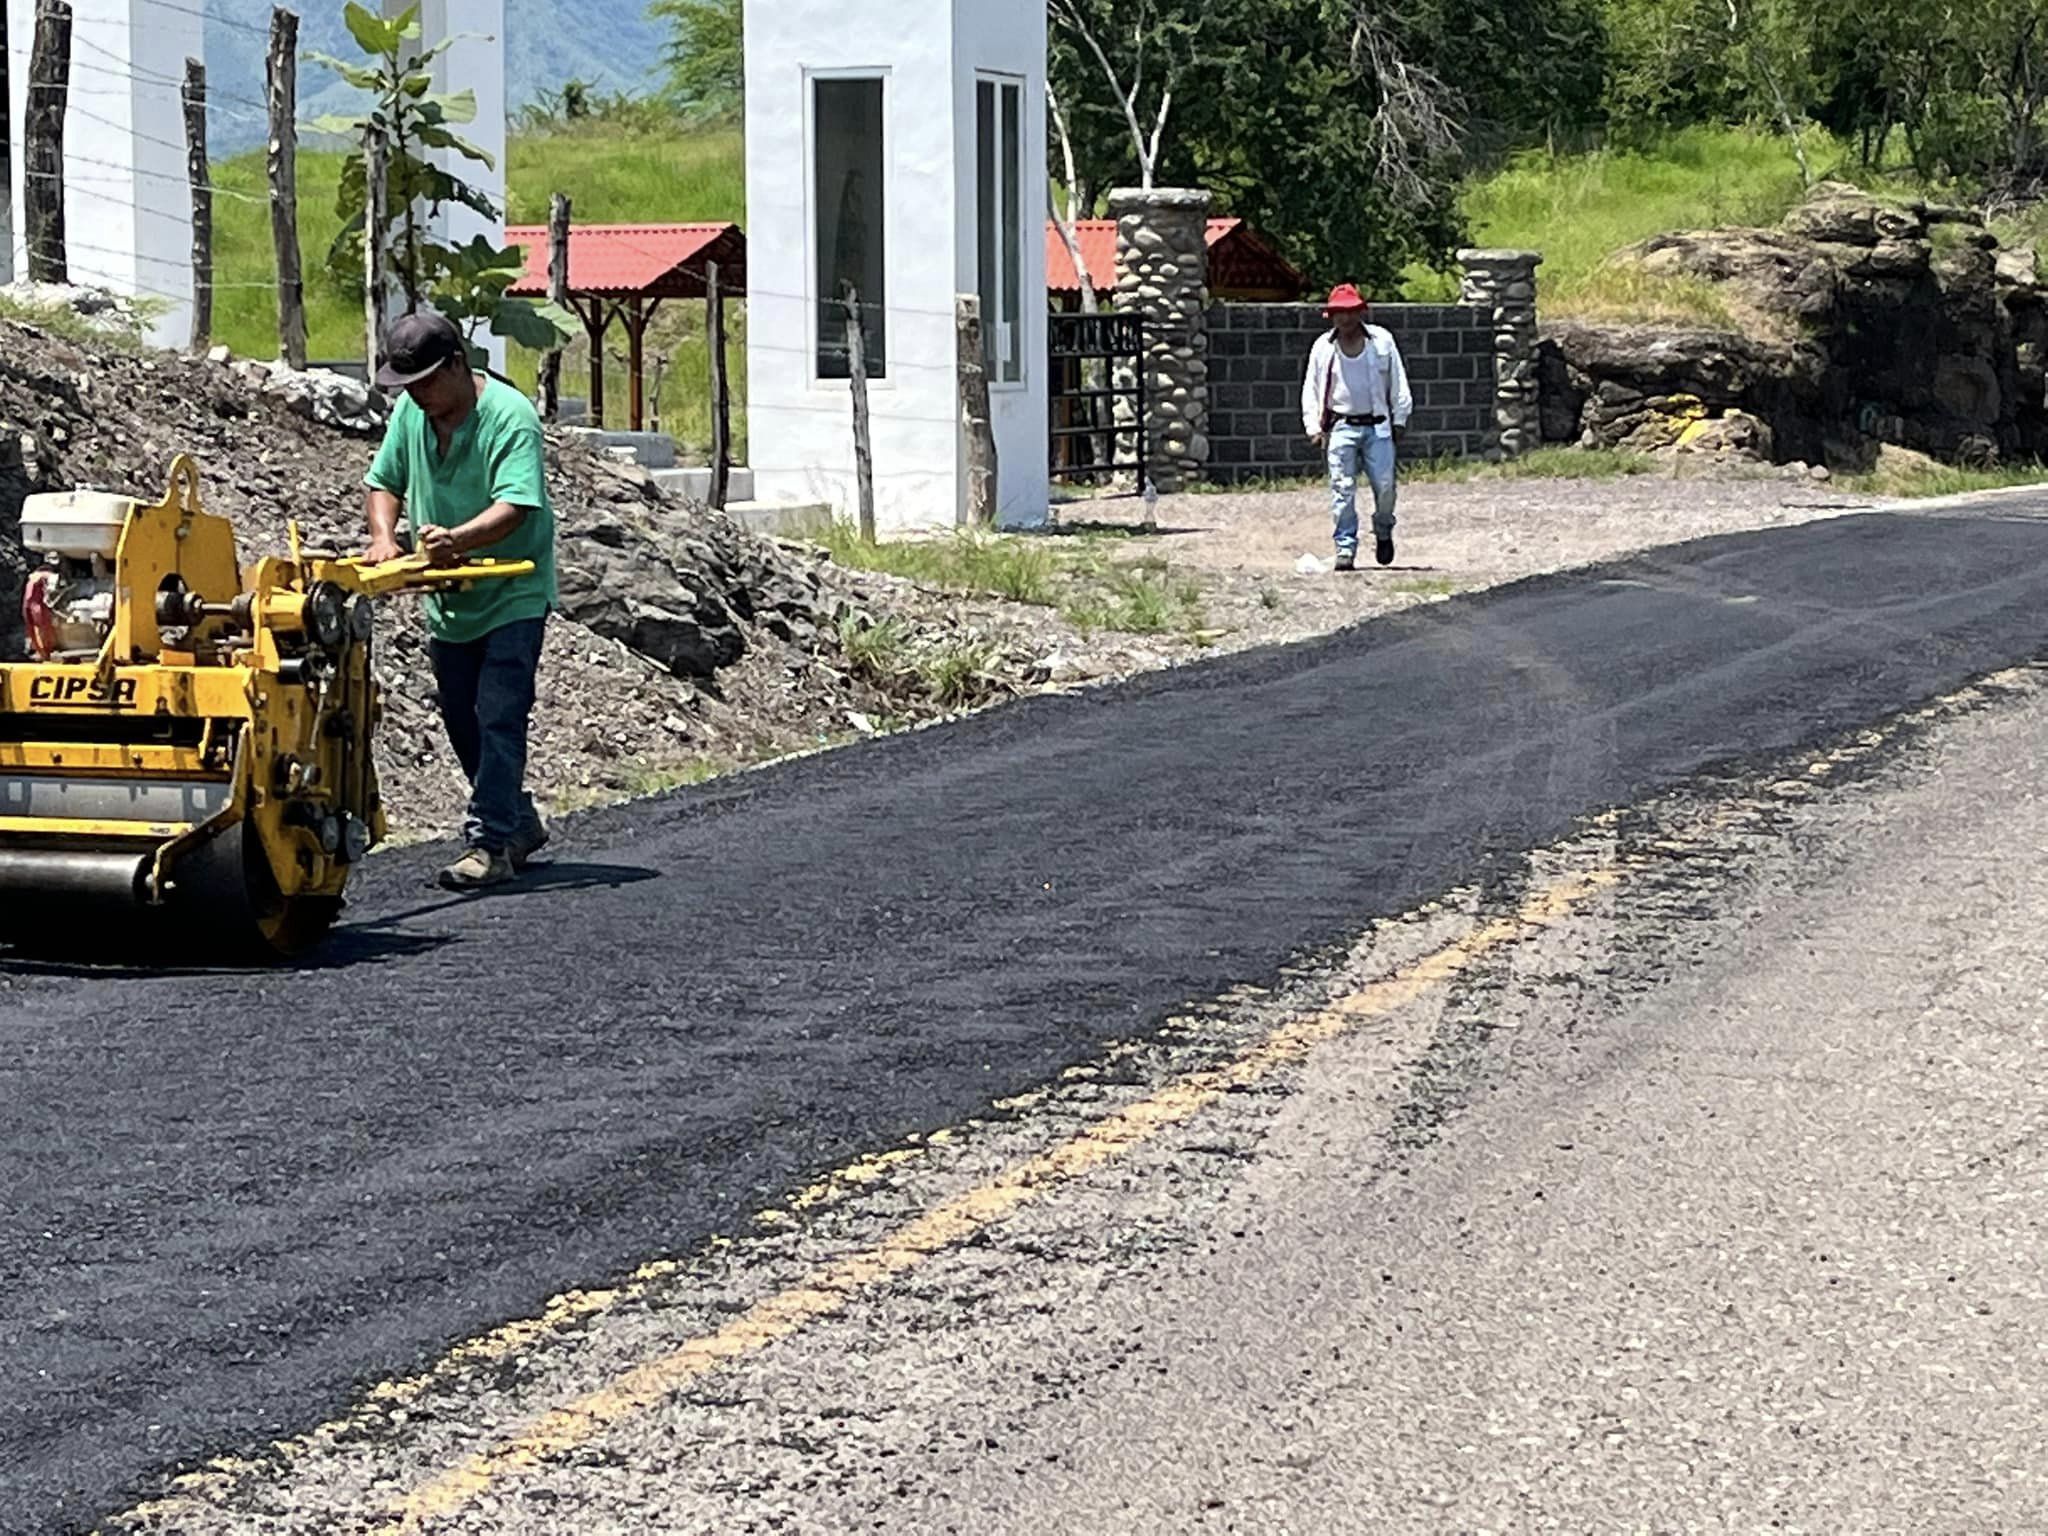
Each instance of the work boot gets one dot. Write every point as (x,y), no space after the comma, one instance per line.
(1346,561)
(1384,550)
(527,842)
(477,868)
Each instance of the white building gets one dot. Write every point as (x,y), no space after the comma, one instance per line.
(127,199)
(127,202)
(897,146)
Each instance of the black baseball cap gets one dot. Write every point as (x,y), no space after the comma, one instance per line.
(417,344)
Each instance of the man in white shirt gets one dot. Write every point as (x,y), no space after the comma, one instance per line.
(1355,404)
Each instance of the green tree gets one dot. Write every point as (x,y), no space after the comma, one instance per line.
(1341,127)
(704,58)
(406,123)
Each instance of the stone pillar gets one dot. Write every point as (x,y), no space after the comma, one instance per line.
(1504,283)
(1162,273)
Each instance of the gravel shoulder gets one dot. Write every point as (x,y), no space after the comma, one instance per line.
(1693,1208)
(1244,547)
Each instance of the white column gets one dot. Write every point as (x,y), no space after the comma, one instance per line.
(127,202)
(476,63)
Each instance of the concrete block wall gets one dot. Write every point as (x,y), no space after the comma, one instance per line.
(1258,353)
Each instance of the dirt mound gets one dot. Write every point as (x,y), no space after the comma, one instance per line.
(683,638)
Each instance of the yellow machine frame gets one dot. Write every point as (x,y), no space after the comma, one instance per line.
(224,701)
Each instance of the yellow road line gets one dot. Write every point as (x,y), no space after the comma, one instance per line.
(830,1289)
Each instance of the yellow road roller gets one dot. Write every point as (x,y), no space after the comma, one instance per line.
(189,740)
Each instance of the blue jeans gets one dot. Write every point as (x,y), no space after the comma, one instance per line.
(486,687)
(1353,448)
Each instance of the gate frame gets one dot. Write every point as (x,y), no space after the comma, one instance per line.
(1111,336)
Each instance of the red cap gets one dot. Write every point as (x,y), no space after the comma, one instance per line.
(1345,296)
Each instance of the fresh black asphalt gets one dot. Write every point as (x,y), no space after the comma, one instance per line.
(229,1200)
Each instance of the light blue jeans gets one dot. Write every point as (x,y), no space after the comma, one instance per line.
(1350,449)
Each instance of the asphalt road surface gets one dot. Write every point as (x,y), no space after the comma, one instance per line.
(232,1201)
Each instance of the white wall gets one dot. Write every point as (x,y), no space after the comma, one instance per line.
(1004,37)
(476,63)
(800,438)
(127,203)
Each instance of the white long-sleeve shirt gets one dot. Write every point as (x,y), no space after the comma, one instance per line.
(1372,384)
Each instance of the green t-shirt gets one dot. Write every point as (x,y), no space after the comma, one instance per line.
(497,454)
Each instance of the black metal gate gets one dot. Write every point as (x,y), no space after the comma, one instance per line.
(1096,363)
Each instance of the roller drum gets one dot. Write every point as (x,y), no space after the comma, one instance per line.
(65,875)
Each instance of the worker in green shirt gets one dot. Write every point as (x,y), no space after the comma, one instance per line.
(464,460)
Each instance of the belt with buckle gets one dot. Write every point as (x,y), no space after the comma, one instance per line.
(1361,421)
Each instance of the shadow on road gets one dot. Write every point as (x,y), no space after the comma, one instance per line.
(378,940)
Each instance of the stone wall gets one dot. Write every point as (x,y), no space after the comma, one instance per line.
(1257,356)
(1502,284)
(1162,260)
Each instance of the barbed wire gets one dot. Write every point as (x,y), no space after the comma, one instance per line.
(226,21)
(137,170)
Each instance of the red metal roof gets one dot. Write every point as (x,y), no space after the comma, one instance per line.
(623,261)
(1239,259)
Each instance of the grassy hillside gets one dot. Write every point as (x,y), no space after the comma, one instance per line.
(1577,209)
(612,179)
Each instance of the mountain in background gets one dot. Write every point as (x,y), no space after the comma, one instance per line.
(610,43)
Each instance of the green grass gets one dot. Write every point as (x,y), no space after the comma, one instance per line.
(1578,209)
(245,263)
(63,321)
(989,565)
(876,650)
(1538,464)
(1138,598)
(1918,478)
(1426,586)
(962,673)
(686,176)
(1078,571)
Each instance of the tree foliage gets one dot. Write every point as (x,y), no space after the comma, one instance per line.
(1956,91)
(408,121)
(1340,126)
(704,60)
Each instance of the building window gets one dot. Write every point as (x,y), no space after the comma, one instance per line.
(999,172)
(846,153)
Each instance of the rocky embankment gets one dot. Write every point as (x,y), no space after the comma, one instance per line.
(1861,322)
(683,638)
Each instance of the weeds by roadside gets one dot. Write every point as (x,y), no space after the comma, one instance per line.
(956,673)
(991,565)
(1141,598)
(1538,464)
(1077,572)
(1918,479)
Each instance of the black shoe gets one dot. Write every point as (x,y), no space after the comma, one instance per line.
(1384,550)
(528,842)
(1346,561)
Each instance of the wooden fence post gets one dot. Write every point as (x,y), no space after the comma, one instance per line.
(974,413)
(201,177)
(721,398)
(282,161)
(558,292)
(863,443)
(49,85)
(9,212)
(374,186)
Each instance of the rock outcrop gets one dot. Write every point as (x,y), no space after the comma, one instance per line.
(1869,322)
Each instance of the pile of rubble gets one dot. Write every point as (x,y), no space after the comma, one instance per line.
(683,638)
